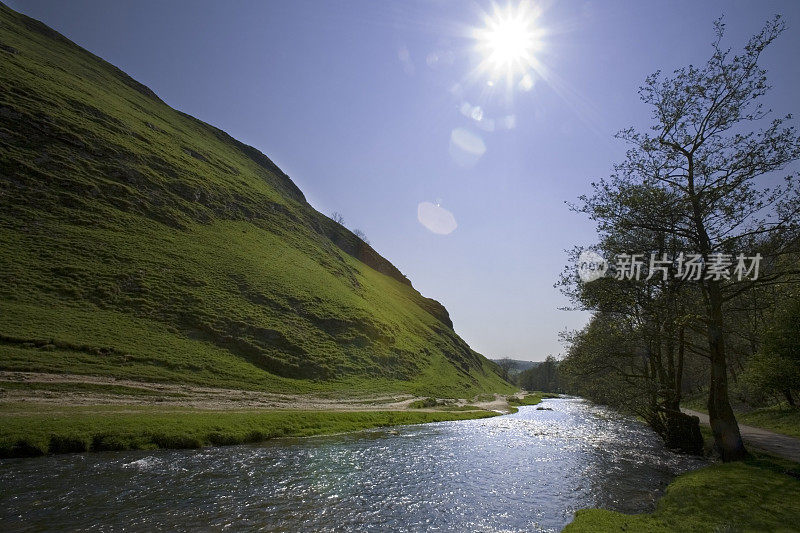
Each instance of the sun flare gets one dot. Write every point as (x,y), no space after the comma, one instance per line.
(509,40)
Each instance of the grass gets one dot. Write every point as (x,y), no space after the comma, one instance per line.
(48,429)
(760,494)
(528,399)
(757,495)
(97,388)
(779,418)
(141,243)
(459,408)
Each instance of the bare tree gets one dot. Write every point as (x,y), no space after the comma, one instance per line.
(337,217)
(361,235)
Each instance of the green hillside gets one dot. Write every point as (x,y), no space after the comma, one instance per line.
(140,242)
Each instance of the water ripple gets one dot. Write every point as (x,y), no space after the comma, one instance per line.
(524,472)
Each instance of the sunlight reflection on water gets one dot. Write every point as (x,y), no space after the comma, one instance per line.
(524,472)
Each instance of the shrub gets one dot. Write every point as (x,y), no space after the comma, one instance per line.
(423,403)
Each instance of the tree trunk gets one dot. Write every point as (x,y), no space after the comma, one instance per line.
(682,431)
(679,371)
(727,439)
(789,397)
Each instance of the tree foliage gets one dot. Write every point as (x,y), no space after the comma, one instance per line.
(701,180)
(541,377)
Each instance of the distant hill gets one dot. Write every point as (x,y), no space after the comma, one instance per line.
(140,242)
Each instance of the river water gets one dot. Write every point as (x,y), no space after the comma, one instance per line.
(524,472)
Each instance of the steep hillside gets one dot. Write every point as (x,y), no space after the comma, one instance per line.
(140,242)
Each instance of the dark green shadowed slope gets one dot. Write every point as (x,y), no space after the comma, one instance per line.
(140,242)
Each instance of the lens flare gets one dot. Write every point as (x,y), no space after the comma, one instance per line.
(436,218)
(509,40)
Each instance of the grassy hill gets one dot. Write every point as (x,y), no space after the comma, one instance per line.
(140,242)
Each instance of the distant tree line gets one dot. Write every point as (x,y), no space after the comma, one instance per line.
(702,180)
(542,377)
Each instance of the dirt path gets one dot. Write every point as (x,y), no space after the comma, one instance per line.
(781,445)
(45,389)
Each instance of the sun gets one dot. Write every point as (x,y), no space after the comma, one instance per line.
(509,40)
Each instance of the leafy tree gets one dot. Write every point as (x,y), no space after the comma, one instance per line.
(775,369)
(702,178)
(632,354)
(541,377)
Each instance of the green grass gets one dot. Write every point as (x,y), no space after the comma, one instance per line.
(97,388)
(139,242)
(528,399)
(47,429)
(780,419)
(459,408)
(757,495)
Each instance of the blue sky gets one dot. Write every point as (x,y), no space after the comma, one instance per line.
(371,108)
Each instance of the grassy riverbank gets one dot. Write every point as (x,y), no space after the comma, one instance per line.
(30,431)
(756,495)
(534,398)
(528,399)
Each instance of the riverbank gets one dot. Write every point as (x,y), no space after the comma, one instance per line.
(89,390)
(756,495)
(43,413)
(522,472)
(37,429)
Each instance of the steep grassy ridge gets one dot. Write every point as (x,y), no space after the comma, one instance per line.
(140,242)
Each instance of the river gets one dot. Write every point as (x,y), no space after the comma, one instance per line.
(524,472)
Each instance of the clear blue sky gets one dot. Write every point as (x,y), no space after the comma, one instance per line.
(361,102)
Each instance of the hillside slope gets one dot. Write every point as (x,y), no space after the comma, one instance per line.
(140,242)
